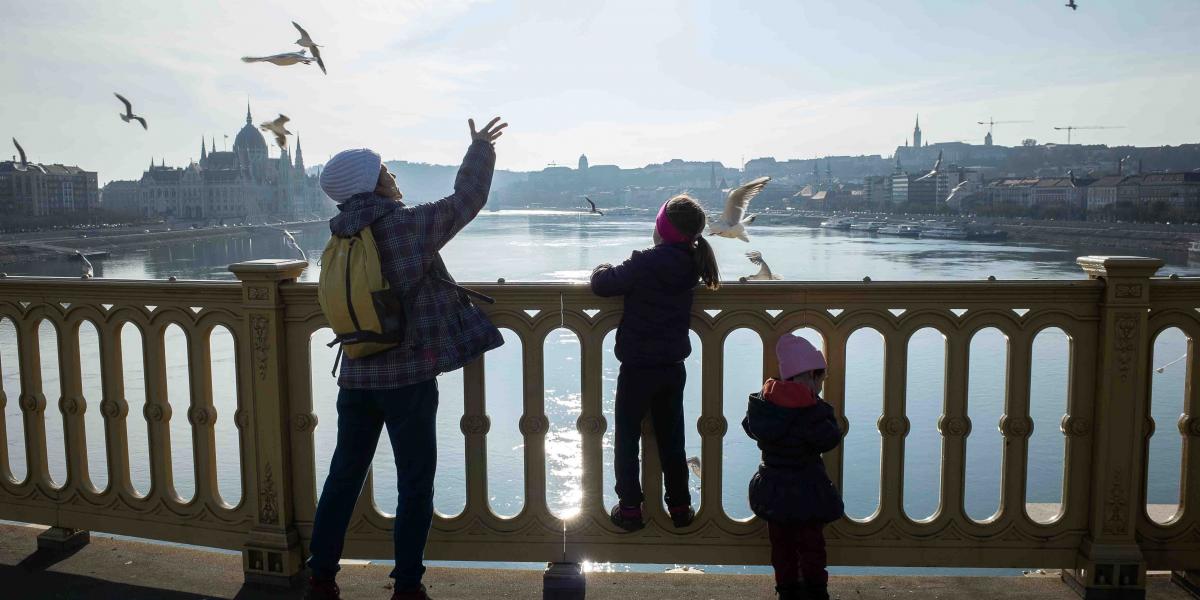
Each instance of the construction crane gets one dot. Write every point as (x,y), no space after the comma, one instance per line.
(992,123)
(1071,128)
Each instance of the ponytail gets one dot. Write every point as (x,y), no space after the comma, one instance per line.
(686,215)
(706,264)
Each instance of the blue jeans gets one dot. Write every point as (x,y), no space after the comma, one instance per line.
(410,414)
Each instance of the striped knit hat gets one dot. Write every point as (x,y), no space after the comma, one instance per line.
(350,172)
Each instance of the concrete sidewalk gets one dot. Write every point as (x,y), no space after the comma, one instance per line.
(127,570)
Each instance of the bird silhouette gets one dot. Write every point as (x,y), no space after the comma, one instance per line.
(937,168)
(285,59)
(1071,5)
(306,41)
(764,271)
(732,222)
(278,128)
(958,192)
(23,165)
(589,201)
(87,266)
(128,115)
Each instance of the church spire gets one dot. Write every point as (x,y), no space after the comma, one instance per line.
(203,150)
(299,155)
(248,119)
(917,133)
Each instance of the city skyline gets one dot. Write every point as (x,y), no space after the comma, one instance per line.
(694,82)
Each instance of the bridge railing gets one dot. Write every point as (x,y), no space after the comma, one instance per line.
(1100,532)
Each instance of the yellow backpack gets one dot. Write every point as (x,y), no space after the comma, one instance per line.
(365,314)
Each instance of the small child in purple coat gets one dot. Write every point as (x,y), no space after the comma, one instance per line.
(791,490)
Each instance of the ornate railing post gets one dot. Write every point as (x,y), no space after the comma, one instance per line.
(272,554)
(1110,563)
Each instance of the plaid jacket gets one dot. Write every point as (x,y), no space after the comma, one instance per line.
(446,331)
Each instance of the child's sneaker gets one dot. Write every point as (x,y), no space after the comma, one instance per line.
(413,594)
(322,589)
(682,516)
(628,518)
(792,591)
(817,592)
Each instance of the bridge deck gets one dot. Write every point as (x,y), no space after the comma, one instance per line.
(134,570)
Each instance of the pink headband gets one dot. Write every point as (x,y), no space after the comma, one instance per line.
(666,230)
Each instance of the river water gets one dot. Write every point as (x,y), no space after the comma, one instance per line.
(553,246)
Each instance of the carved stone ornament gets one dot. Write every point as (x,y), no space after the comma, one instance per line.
(1012,426)
(28,402)
(152,411)
(258,330)
(591,424)
(1126,324)
(258,293)
(893,426)
(268,512)
(954,426)
(200,415)
(475,424)
(242,418)
(1148,427)
(306,422)
(1075,426)
(534,424)
(1189,426)
(71,405)
(1129,290)
(1115,507)
(110,409)
(715,426)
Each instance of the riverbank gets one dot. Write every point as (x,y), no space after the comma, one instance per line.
(53,245)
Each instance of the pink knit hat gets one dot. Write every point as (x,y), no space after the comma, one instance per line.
(796,355)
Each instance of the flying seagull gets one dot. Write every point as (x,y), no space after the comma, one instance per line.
(1071,5)
(284,60)
(278,128)
(694,463)
(733,221)
(87,265)
(128,115)
(306,42)
(937,168)
(1164,367)
(764,272)
(589,201)
(24,164)
(292,243)
(957,193)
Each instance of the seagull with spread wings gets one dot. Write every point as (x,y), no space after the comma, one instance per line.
(128,115)
(937,168)
(732,222)
(306,41)
(23,164)
(764,272)
(87,266)
(593,204)
(277,127)
(285,59)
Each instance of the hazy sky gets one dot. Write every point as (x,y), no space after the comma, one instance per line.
(628,83)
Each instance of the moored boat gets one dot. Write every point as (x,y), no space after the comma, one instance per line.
(944,232)
(867,226)
(901,230)
(842,223)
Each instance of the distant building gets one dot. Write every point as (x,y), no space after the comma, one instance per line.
(1062,193)
(583,162)
(47,191)
(899,184)
(1177,190)
(917,133)
(121,198)
(1011,193)
(240,184)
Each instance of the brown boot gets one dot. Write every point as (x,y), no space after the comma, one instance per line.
(411,594)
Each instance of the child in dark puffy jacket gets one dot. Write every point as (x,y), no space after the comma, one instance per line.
(652,341)
(791,491)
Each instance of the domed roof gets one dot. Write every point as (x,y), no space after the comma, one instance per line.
(249,138)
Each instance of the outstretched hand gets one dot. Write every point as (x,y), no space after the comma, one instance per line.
(489,133)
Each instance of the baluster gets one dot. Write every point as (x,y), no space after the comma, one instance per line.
(300,370)
(115,410)
(893,425)
(533,426)
(475,425)
(6,474)
(955,425)
(835,395)
(712,426)
(157,412)
(1077,425)
(592,423)
(33,404)
(202,416)
(1189,427)
(1016,427)
(71,408)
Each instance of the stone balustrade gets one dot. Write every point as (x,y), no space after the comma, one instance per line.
(1102,535)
